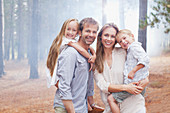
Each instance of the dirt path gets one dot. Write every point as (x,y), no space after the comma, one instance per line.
(19,94)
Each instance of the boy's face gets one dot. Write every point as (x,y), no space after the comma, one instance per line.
(71,30)
(125,40)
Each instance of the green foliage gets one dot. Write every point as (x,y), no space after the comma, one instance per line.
(159,15)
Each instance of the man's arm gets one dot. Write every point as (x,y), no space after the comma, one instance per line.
(65,70)
(68,104)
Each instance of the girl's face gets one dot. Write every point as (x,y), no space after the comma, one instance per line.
(108,37)
(125,40)
(71,30)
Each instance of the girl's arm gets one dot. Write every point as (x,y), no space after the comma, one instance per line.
(82,51)
(93,57)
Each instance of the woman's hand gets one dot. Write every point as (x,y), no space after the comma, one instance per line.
(133,88)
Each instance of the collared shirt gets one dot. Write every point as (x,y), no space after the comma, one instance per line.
(75,80)
(65,42)
(136,55)
(53,80)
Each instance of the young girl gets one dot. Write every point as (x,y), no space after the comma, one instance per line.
(66,37)
(136,66)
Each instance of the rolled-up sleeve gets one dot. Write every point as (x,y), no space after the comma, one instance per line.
(65,72)
(140,54)
(100,82)
(90,89)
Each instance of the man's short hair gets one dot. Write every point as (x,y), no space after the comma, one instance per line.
(88,20)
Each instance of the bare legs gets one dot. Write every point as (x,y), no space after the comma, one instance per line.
(113,104)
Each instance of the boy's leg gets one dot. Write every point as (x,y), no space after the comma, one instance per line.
(143,92)
(120,96)
(113,104)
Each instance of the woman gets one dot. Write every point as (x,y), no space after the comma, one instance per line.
(108,72)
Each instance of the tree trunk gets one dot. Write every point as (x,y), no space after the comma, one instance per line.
(34,42)
(29,14)
(12,29)
(6,43)
(103,13)
(142,32)
(8,27)
(20,26)
(1,49)
(121,14)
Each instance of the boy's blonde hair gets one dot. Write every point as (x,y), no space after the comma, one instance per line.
(124,31)
(55,47)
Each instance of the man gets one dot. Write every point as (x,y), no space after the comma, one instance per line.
(75,80)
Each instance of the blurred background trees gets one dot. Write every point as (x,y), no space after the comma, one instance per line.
(1,49)
(28,27)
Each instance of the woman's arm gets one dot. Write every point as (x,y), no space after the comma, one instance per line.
(131,88)
(101,82)
(107,87)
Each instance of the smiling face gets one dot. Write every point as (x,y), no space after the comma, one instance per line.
(88,34)
(125,39)
(108,37)
(71,30)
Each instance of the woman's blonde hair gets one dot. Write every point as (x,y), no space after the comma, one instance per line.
(100,48)
(55,47)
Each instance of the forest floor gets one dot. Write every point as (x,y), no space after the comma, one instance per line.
(19,94)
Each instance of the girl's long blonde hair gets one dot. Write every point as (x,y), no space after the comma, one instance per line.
(99,66)
(55,47)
